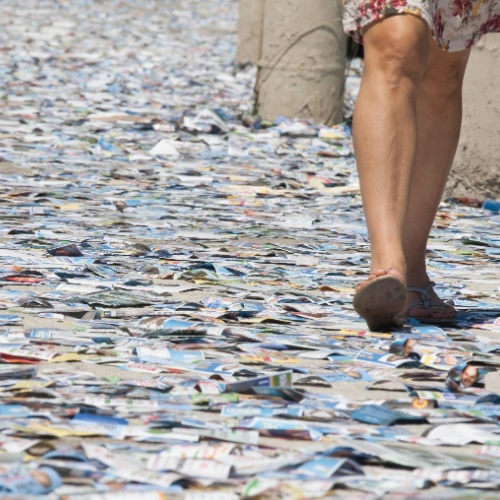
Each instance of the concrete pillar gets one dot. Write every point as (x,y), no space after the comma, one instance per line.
(301,72)
(476,172)
(250,24)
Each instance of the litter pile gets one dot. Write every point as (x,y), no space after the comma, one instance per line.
(177,278)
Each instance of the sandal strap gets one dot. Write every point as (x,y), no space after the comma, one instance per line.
(421,304)
(424,294)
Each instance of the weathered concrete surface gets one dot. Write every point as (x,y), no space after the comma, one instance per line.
(250,24)
(477,166)
(302,67)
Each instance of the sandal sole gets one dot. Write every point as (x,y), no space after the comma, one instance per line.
(431,321)
(379,301)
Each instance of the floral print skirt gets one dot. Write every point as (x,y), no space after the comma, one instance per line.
(455,24)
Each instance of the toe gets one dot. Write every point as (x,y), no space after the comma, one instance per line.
(378,273)
(359,286)
(444,311)
(418,312)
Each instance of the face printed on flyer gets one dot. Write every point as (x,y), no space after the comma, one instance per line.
(465,376)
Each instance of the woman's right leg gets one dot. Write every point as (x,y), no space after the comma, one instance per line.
(439,112)
(385,133)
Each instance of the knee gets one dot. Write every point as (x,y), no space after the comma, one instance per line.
(398,61)
(397,56)
(444,82)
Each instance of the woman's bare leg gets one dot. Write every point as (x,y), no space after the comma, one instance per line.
(385,133)
(439,115)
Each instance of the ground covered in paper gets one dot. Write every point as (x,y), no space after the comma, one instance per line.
(176,283)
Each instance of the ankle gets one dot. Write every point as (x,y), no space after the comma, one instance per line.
(419,278)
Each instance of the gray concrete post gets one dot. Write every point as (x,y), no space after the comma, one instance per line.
(476,172)
(301,72)
(250,24)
